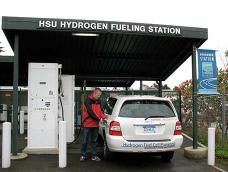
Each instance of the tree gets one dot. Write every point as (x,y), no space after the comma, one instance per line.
(223,81)
(226,59)
(176,88)
(209,107)
(164,87)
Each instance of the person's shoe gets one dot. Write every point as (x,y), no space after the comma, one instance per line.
(96,158)
(82,158)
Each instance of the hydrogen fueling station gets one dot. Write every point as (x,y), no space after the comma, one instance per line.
(54,56)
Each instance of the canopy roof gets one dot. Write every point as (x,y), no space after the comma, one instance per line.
(117,54)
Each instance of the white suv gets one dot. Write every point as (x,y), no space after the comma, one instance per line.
(140,124)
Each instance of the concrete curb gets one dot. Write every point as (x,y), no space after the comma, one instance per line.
(19,156)
(217,168)
(200,144)
(199,153)
(188,137)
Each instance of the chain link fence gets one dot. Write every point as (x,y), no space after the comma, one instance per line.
(6,103)
(212,109)
(6,98)
(212,112)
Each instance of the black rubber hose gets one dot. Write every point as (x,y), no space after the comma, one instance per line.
(61,107)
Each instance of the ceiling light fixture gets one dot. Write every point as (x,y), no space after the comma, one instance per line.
(85,34)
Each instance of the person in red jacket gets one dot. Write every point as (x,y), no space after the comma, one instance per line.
(91,117)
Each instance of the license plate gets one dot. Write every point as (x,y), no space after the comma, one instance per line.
(149,129)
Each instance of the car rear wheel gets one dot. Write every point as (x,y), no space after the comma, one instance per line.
(167,156)
(107,154)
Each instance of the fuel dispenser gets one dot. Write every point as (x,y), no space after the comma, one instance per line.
(50,99)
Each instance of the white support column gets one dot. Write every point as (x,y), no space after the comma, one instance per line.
(211,146)
(22,117)
(6,145)
(4,113)
(62,145)
(68,82)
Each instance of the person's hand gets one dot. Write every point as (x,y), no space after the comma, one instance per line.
(102,121)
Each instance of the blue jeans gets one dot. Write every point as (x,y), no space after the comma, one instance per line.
(93,133)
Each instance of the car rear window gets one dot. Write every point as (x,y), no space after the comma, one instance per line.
(109,105)
(146,108)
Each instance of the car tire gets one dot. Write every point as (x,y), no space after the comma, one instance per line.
(107,154)
(167,156)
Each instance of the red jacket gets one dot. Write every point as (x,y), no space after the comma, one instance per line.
(92,113)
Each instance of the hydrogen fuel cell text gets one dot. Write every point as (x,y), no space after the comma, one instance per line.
(149,145)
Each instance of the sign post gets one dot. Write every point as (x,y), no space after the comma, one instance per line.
(194,99)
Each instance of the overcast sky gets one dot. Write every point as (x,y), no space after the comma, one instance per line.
(195,13)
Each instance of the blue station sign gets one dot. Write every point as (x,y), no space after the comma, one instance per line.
(207,72)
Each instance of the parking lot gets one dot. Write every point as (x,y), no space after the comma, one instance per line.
(121,162)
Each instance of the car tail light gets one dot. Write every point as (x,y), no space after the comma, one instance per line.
(178,128)
(114,129)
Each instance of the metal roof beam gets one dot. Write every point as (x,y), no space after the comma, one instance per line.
(6,59)
(97,77)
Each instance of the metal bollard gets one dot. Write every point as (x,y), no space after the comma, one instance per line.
(22,122)
(62,145)
(211,146)
(6,145)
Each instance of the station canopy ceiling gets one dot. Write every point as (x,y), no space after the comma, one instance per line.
(114,54)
